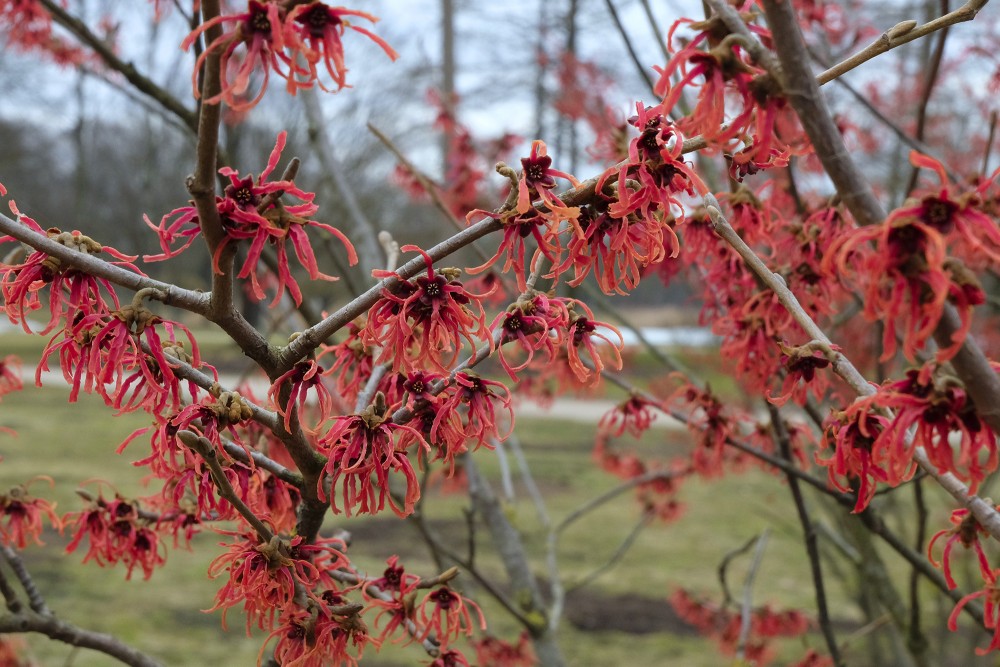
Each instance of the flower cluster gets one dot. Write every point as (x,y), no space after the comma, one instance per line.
(294,43)
(71,293)
(265,577)
(425,321)
(253,210)
(875,437)
(361,450)
(904,269)
(116,531)
(21,516)
(724,625)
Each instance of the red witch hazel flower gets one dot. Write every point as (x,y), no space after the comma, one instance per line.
(480,424)
(725,71)
(634,414)
(425,320)
(960,218)
(991,610)
(616,249)
(585,337)
(650,183)
(801,364)
(536,323)
(966,531)
(302,377)
(495,651)
(21,516)
(117,532)
(10,375)
(314,30)
(944,420)
(450,658)
(538,179)
(861,457)
(318,638)
(259,30)
(709,425)
(361,446)
(393,593)
(725,625)
(311,32)
(119,347)
(448,614)
(263,576)
(254,211)
(516,228)
(352,365)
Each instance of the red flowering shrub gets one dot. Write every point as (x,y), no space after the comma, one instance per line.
(732,185)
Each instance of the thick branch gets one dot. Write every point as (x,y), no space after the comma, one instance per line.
(52,627)
(511,551)
(35,599)
(190,300)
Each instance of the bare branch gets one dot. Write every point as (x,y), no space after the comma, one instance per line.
(809,534)
(35,599)
(131,74)
(190,300)
(54,628)
(758,556)
(901,33)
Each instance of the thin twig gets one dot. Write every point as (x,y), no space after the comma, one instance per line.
(142,83)
(615,558)
(333,172)
(639,67)
(190,300)
(661,41)
(35,599)
(202,184)
(439,547)
(901,33)
(597,501)
(989,143)
(723,569)
(758,556)
(9,594)
(915,640)
(925,94)
(809,534)
(203,446)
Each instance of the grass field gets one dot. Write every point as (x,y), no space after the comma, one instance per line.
(621,618)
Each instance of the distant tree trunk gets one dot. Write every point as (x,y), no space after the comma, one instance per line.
(541,56)
(447,76)
(567,126)
(80,198)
